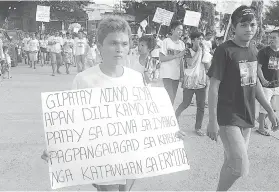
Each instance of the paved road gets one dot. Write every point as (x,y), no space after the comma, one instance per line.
(22,141)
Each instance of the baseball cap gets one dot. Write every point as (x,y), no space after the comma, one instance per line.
(243,14)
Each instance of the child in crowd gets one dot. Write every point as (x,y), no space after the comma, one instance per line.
(6,64)
(144,62)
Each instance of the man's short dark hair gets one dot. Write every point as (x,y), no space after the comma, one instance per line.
(243,14)
(195,35)
(175,24)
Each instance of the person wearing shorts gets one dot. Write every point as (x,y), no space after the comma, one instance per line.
(80,49)
(34,47)
(234,86)
(56,43)
(43,49)
(25,52)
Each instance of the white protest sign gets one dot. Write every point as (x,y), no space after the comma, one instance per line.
(43,13)
(94,15)
(192,18)
(108,134)
(163,16)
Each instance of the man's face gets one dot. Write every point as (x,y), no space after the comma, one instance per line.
(274,39)
(178,31)
(245,31)
(197,41)
(208,37)
(56,34)
(115,48)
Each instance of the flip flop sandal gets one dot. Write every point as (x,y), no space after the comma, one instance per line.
(263,132)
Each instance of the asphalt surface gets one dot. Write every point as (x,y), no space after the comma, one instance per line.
(22,143)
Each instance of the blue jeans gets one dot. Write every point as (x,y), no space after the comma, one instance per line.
(187,98)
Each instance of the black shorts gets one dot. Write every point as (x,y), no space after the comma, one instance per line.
(43,50)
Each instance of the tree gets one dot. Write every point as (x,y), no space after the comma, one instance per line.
(259,5)
(146,9)
(272,14)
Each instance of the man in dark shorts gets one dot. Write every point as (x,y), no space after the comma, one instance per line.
(268,72)
(234,86)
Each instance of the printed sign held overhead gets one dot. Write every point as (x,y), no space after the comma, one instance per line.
(43,13)
(163,16)
(192,18)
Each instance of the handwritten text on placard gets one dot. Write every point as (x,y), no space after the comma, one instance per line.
(163,16)
(107,134)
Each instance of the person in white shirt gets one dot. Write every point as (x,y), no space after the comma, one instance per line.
(80,47)
(92,51)
(68,51)
(34,47)
(25,42)
(171,54)
(43,49)
(56,43)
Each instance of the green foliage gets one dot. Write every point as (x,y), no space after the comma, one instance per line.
(61,10)
(272,14)
(144,9)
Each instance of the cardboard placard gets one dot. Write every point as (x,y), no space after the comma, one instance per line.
(110,134)
(43,13)
(192,18)
(163,16)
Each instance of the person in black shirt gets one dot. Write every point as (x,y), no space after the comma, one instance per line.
(233,88)
(268,72)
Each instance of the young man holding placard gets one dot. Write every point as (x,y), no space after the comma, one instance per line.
(234,86)
(113,36)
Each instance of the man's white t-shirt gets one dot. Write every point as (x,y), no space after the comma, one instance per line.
(43,43)
(34,45)
(80,46)
(171,69)
(207,45)
(133,63)
(25,42)
(93,77)
(156,51)
(92,52)
(56,48)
